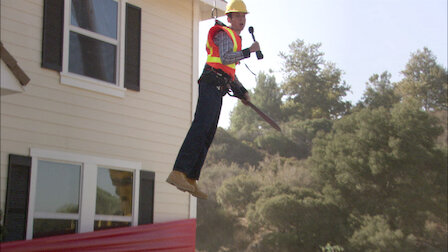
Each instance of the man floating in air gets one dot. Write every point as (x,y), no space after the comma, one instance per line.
(224,53)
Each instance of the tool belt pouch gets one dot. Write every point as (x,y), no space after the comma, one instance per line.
(237,91)
(215,76)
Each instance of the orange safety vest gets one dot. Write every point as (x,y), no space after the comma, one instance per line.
(213,58)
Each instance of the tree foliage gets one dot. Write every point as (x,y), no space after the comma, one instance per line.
(298,220)
(376,235)
(236,193)
(380,92)
(369,178)
(380,156)
(302,133)
(313,86)
(247,125)
(226,147)
(425,80)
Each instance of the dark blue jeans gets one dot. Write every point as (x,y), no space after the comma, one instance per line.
(194,149)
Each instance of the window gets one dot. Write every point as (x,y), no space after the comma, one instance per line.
(53,192)
(113,198)
(91,55)
(94,44)
(57,198)
(72,193)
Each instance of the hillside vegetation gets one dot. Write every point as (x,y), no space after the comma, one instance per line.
(370,176)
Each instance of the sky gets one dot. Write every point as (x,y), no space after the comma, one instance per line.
(361,37)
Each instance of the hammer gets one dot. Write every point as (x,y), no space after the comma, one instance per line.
(259,54)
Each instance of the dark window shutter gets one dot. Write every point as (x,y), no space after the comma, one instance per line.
(132,48)
(52,34)
(17,191)
(146,199)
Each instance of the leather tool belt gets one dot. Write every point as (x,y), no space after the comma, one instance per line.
(215,76)
(222,81)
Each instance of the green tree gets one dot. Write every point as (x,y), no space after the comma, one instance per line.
(267,96)
(276,170)
(295,139)
(380,92)
(385,162)
(245,123)
(227,148)
(313,87)
(217,228)
(376,235)
(237,193)
(302,133)
(276,143)
(425,80)
(214,174)
(296,220)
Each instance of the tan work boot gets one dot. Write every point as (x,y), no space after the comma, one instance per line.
(197,193)
(179,180)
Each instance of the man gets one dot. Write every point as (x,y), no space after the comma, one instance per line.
(224,52)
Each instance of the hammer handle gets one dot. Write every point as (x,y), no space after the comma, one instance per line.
(259,53)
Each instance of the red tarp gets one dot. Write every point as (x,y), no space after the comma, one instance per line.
(177,236)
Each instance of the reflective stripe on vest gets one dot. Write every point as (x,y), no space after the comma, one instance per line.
(213,58)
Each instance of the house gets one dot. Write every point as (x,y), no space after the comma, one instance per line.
(88,143)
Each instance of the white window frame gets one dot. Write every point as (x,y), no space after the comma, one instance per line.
(87,201)
(84,82)
(58,216)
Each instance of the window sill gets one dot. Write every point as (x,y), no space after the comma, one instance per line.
(82,82)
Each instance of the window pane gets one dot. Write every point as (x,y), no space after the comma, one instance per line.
(57,189)
(114,192)
(99,16)
(100,225)
(47,227)
(91,57)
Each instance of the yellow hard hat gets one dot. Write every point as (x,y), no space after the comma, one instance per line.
(236,6)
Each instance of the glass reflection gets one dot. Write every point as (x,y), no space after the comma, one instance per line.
(47,227)
(58,186)
(99,16)
(91,57)
(114,192)
(101,225)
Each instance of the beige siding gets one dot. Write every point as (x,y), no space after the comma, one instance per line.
(146,126)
